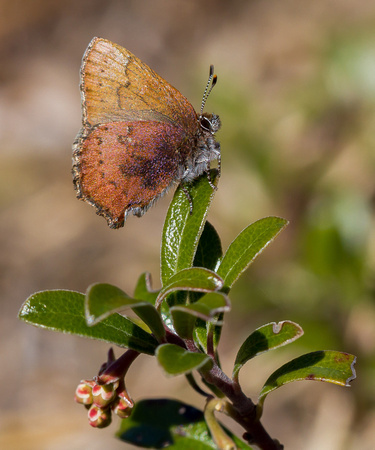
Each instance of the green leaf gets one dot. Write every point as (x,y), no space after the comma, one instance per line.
(176,361)
(208,254)
(183,323)
(194,279)
(182,230)
(206,308)
(103,300)
(330,366)
(165,423)
(143,289)
(64,311)
(222,440)
(247,246)
(209,249)
(268,337)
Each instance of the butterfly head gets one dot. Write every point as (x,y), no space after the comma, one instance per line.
(209,122)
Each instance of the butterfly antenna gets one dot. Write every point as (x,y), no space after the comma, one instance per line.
(212,79)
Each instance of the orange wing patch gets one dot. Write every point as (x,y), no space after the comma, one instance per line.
(125,166)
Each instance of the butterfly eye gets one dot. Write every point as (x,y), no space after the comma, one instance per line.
(209,122)
(206,124)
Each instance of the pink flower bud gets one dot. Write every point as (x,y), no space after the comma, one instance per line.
(98,417)
(122,407)
(103,394)
(83,392)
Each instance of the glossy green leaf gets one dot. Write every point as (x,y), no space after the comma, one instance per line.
(208,254)
(64,311)
(247,246)
(103,300)
(209,250)
(206,308)
(182,230)
(330,366)
(165,423)
(194,279)
(183,323)
(268,337)
(143,289)
(176,361)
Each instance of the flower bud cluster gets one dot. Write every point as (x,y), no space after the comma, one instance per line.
(102,396)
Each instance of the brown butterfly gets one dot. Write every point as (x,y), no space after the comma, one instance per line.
(139,134)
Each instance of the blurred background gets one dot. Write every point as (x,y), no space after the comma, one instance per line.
(296,96)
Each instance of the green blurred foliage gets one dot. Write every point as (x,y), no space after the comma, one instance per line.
(313,154)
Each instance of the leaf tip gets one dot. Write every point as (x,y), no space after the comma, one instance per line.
(354,374)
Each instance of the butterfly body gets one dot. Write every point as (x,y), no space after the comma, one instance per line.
(139,135)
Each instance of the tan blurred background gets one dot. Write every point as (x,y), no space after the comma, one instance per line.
(296,95)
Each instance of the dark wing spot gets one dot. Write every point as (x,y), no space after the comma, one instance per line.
(152,171)
(121,139)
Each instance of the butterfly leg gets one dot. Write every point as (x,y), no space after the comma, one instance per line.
(208,173)
(219,164)
(188,196)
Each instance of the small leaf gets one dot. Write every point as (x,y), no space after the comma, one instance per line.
(143,289)
(64,311)
(209,249)
(182,230)
(330,366)
(165,423)
(208,254)
(183,323)
(151,317)
(247,246)
(194,279)
(221,438)
(206,308)
(268,337)
(103,300)
(176,361)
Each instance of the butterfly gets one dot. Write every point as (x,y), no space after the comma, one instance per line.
(139,134)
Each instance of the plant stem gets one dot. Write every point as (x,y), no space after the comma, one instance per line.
(242,409)
(120,366)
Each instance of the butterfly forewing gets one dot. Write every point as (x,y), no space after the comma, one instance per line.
(117,86)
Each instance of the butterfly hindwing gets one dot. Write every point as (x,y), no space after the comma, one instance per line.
(124,166)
